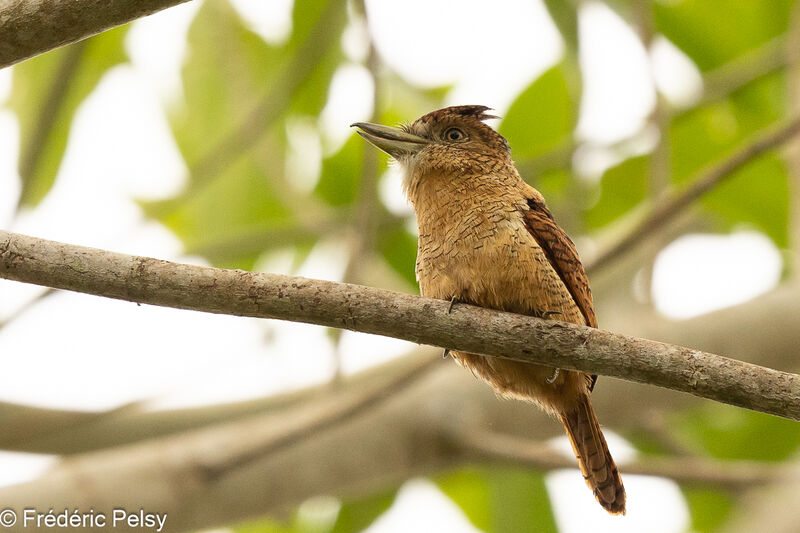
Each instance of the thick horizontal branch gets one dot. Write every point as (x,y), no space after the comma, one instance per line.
(422,320)
(32,27)
(771,340)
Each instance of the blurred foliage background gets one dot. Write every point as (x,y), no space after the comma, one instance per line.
(246,198)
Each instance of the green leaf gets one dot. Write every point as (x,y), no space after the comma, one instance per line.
(520,501)
(356,516)
(713,33)
(237,190)
(731,433)
(263,525)
(709,508)
(565,16)
(399,248)
(470,489)
(501,500)
(226,210)
(317,23)
(341,173)
(758,194)
(46,92)
(622,188)
(700,135)
(227,68)
(542,117)
(554,184)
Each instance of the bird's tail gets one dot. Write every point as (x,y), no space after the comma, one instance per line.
(596,464)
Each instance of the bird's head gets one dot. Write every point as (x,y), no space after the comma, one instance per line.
(452,142)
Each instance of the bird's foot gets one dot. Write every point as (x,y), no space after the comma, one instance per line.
(547,314)
(453,301)
(552,379)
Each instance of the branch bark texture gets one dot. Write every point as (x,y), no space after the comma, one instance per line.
(413,318)
(32,27)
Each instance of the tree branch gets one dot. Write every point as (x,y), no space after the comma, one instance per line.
(32,27)
(21,310)
(490,446)
(65,432)
(744,69)
(335,413)
(772,339)
(706,180)
(774,508)
(409,433)
(422,320)
(352,451)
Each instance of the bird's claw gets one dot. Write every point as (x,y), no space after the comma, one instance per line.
(453,301)
(552,379)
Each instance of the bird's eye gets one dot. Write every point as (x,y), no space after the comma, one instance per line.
(454,134)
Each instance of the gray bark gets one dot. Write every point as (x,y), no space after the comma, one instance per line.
(32,27)
(413,318)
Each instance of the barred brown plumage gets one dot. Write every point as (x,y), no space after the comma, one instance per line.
(487,238)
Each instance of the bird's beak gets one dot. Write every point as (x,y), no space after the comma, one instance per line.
(393,141)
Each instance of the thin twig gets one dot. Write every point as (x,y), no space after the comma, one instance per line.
(388,313)
(64,432)
(334,415)
(493,447)
(27,306)
(718,84)
(735,74)
(704,182)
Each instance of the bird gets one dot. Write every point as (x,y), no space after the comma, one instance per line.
(487,238)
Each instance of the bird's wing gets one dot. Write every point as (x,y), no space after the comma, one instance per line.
(563,257)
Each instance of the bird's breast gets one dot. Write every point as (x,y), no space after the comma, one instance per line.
(489,258)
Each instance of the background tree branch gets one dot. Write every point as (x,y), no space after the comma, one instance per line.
(677,202)
(344,444)
(489,446)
